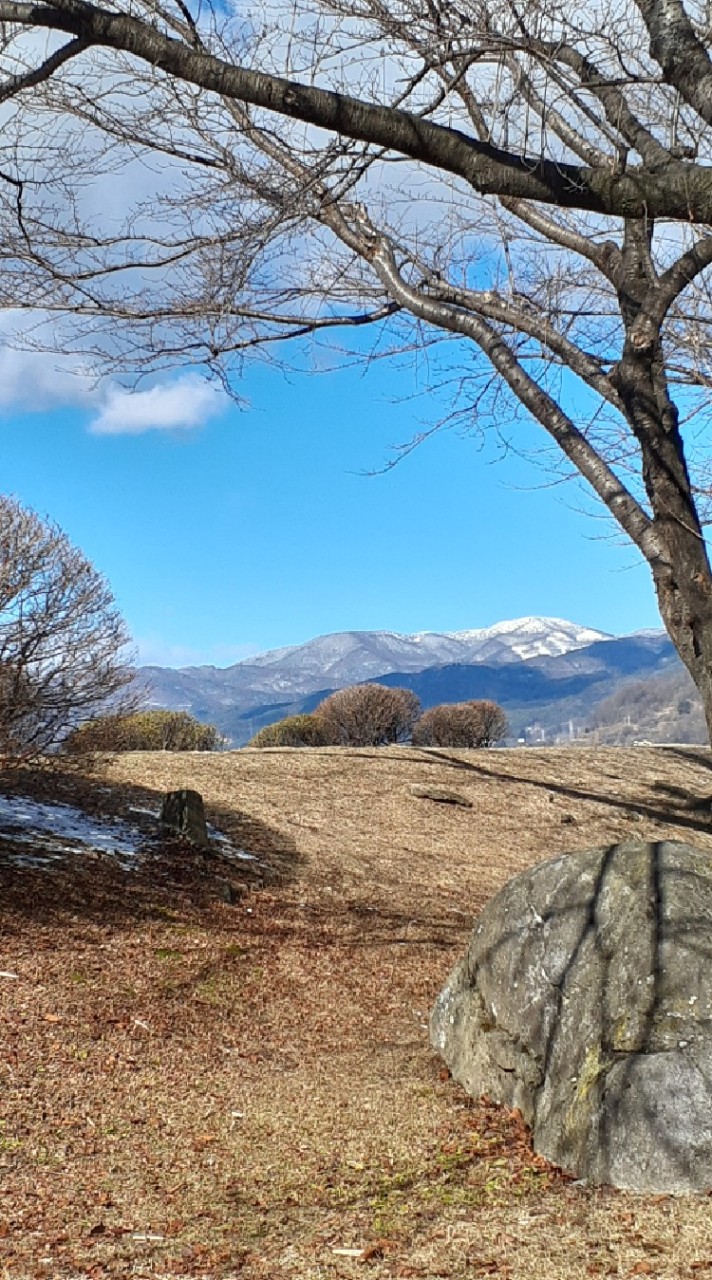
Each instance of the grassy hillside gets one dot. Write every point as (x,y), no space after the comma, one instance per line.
(192,1088)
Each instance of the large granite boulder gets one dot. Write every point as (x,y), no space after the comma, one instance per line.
(585,999)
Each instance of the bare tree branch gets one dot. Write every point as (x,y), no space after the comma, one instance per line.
(679,52)
(679,190)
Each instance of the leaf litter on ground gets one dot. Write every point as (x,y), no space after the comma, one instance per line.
(197,1089)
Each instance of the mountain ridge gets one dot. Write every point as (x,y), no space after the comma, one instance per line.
(567,669)
(523,637)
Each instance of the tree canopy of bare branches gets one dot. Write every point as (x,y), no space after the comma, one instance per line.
(294,731)
(523,188)
(62,641)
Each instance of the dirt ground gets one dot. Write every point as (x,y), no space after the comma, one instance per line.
(197,1088)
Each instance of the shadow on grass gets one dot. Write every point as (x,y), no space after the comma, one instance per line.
(169,878)
(682,808)
(380,926)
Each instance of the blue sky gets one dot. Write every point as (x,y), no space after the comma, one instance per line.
(249,529)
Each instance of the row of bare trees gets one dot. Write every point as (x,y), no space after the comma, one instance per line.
(375,715)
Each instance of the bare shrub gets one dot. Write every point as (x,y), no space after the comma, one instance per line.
(144,731)
(369,715)
(63,644)
(293,731)
(461,724)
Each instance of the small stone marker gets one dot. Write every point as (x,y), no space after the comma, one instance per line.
(183,813)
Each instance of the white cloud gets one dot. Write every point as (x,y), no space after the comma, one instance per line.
(39,380)
(175,406)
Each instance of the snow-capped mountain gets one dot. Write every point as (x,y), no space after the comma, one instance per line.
(352,657)
(527,638)
(348,657)
(524,664)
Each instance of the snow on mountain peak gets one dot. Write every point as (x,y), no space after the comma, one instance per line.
(344,657)
(530,637)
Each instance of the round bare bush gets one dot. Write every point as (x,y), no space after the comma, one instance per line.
(369,715)
(293,731)
(461,724)
(155,730)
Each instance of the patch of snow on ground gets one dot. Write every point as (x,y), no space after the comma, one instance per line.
(51,828)
(56,830)
(227,848)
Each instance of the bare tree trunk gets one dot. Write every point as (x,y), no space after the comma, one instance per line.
(683,587)
(681,574)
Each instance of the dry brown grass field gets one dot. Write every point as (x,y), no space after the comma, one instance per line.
(192,1088)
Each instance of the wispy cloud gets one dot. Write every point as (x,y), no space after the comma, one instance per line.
(181,405)
(154,651)
(37,381)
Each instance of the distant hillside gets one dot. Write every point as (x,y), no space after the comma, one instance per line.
(547,699)
(550,694)
(665,709)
